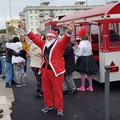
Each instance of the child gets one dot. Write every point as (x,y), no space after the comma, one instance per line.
(86,64)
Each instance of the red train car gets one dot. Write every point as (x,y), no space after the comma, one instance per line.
(103,23)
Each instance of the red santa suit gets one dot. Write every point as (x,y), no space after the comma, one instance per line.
(52,69)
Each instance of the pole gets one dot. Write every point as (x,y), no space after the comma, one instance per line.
(5,19)
(10,14)
(107,92)
(86,4)
(106,2)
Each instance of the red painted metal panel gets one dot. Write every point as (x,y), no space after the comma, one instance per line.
(99,10)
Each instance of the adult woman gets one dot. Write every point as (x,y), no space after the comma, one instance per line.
(26,47)
(36,59)
(86,64)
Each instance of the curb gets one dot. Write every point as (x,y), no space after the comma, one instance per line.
(6,99)
(5,105)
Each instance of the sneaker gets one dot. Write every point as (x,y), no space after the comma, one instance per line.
(1,110)
(39,95)
(18,85)
(82,88)
(90,88)
(46,109)
(59,112)
(72,92)
(24,84)
(1,115)
(7,85)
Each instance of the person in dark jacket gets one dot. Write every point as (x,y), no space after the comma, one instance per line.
(69,86)
(9,68)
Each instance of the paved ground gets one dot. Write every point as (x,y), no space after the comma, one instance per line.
(81,106)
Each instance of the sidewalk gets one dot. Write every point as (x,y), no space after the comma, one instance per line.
(6,98)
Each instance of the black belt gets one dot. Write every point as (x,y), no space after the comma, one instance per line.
(48,66)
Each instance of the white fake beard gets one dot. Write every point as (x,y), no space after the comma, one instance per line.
(49,42)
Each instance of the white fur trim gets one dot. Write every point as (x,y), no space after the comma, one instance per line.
(50,34)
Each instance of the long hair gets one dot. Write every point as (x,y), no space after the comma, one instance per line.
(23,37)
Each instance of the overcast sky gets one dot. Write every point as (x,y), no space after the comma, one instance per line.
(18,5)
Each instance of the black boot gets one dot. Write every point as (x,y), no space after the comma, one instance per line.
(7,85)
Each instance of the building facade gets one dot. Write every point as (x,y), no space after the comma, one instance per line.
(13,22)
(35,16)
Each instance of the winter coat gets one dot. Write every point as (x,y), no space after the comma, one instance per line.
(69,59)
(56,60)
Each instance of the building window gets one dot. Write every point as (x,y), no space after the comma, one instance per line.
(36,17)
(23,20)
(36,12)
(30,11)
(36,23)
(32,29)
(31,23)
(31,17)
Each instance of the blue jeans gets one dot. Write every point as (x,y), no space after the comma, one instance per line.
(9,72)
(3,66)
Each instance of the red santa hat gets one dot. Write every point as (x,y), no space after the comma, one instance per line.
(52,33)
(82,32)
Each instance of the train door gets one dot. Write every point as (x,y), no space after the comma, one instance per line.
(94,38)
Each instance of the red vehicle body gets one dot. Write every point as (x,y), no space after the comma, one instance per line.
(103,23)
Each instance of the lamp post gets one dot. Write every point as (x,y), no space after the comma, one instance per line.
(10,15)
(86,4)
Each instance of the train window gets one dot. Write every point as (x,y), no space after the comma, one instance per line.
(114,34)
(94,33)
(101,36)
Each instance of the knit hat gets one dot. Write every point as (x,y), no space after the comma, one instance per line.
(82,32)
(52,33)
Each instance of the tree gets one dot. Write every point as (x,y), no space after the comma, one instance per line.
(11,30)
(3,31)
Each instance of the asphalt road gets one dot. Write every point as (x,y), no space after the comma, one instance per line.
(81,106)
